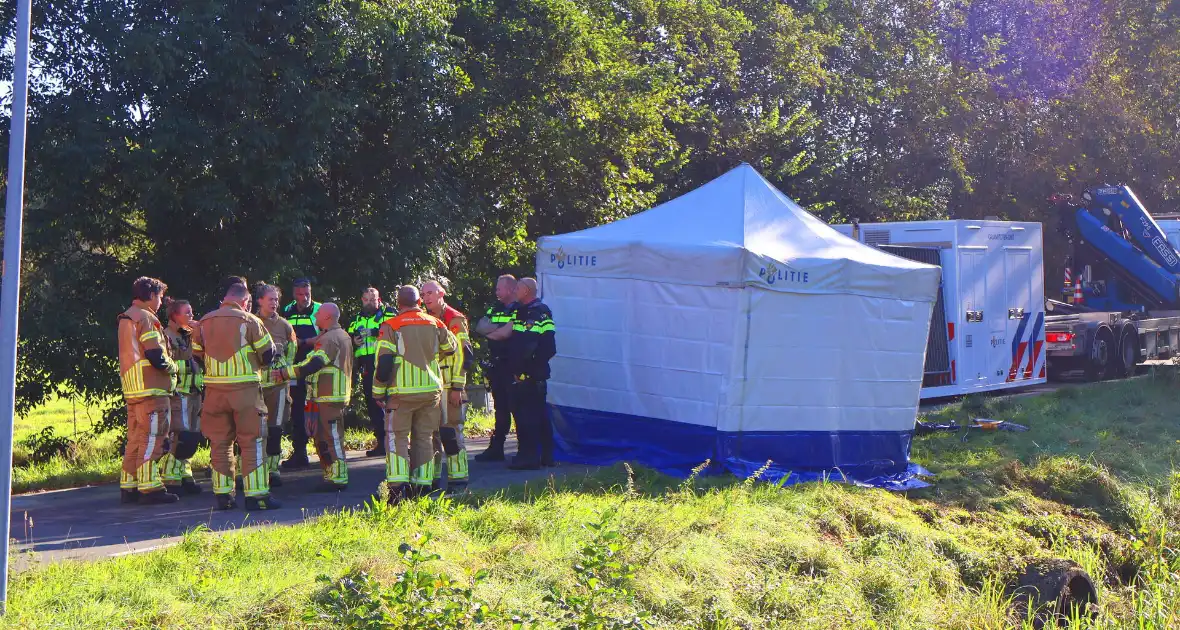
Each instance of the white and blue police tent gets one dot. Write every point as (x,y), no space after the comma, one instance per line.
(730,324)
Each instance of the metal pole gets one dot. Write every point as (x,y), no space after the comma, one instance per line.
(10,287)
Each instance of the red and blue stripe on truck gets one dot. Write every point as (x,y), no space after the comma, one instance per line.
(1020,345)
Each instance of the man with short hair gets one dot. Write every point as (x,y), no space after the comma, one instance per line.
(230,281)
(301,315)
(409,385)
(498,371)
(532,343)
(235,347)
(364,337)
(458,365)
(328,372)
(146,370)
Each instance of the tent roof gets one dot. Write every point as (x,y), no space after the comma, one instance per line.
(737,230)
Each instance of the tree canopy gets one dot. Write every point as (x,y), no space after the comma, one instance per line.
(374,142)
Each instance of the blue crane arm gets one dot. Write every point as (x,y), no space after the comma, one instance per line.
(1139,223)
(1133,266)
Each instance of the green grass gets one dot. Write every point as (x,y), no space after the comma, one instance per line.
(92,460)
(97,459)
(717,552)
(1130,428)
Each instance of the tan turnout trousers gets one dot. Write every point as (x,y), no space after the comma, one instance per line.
(329,441)
(454,418)
(236,413)
(278,413)
(147,436)
(411,421)
(186,418)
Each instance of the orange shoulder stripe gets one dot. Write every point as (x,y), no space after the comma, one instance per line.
(412,318)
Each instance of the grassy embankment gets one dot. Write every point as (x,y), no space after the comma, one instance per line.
(1094,481)
(97,459)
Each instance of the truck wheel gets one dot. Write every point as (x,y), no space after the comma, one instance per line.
(1128,352)
(1102,355)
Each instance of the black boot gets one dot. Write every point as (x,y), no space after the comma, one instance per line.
(378,451)
(457,488)
(261,504)
(276,481)
(225,501)
(298,461)
(331,486)
(128,496)
(159,497)
(494,452)
(187,486)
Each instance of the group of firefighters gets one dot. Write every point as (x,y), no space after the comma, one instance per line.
(246,370)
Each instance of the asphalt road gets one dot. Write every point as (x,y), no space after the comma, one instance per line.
(90,523)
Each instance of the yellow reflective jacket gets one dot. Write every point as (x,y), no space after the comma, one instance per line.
(416,342)
(332,382)
(139,333)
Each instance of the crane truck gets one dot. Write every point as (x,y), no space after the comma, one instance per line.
(993,327)
(1121,292)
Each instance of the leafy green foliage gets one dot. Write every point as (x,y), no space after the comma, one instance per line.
(46,445)
(383,141)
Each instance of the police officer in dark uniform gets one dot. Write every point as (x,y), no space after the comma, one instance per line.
(498,370)
(301,315)
(531,344)
(363,331)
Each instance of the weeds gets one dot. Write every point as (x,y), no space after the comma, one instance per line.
(604,584)
(417,598)
(420,597)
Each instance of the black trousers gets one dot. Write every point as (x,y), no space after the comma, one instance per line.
(298,430)
(534,432)
(366,366)
(500,382)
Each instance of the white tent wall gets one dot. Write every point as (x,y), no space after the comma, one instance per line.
(830,363)
(729,323)
(640,348)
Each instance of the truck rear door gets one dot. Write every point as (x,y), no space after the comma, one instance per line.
(973,282)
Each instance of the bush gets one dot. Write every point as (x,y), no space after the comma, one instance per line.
(46,445)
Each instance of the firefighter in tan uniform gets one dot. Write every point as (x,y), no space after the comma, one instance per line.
(145,372)
(328,372)
(409,385)
(455,367)
(235,347)
(276,394)
(186,402)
